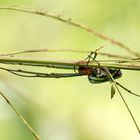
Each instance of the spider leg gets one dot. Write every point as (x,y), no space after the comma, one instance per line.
(126,89)
(94,58)
(24,73)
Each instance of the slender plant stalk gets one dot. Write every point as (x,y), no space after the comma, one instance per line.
(69,64)
(115,84)
(71,22)
(36,136)
(65,50)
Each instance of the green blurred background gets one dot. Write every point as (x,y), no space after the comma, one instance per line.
(69,109)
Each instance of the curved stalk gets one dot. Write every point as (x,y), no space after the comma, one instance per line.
(71,22)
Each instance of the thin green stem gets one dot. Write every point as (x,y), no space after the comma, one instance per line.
(68,64)
(21,117)
(115,84)
(71,22)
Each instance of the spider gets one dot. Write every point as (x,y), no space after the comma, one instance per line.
(96,75)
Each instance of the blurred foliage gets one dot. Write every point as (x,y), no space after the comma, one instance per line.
(69,109)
